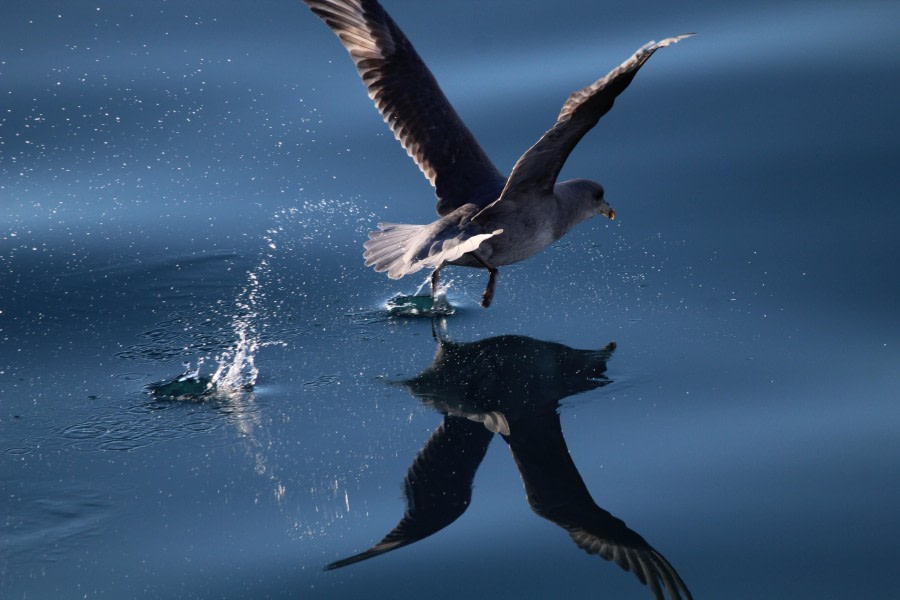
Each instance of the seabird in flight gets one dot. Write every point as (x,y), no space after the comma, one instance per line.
(486,220)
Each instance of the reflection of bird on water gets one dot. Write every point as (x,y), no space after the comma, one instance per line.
(486,219)
(513,385)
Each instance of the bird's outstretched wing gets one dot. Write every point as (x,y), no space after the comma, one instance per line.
(556,491)
(438,485)
(538,168)
(412,103)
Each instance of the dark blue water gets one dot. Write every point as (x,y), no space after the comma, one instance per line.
(186,186)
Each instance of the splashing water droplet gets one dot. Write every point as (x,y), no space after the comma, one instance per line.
(421,303)
(237,370)
(420,306)
(189,386)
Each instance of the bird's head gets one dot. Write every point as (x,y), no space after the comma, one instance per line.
(585,198)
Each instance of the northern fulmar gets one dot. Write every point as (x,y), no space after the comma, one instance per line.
(486,219)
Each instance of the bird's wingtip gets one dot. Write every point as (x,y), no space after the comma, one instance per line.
(675,39)
(652,46)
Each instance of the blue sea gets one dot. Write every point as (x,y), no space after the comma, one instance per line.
(205,393)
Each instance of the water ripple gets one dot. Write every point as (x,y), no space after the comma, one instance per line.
(132,429)
(47,520)
(322,381)
(18,451)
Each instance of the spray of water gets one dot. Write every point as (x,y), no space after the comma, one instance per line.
(236,368)
(421,303)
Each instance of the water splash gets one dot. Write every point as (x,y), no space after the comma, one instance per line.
(420,306)
(262,317)
(270,307)
(236,371)
(236,368)
(422,303)
(189,386)
(427,282)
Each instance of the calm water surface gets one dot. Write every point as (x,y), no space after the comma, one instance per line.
(185,186)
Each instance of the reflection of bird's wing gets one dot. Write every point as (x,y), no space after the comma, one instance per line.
(613,541)
(539,167)
(438,485)
(557,492)
(412,104)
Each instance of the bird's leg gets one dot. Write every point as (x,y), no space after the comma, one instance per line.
(435,276)
(492,280)
(489,290)
(439,329)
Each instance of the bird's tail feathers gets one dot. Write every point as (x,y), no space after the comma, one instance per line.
(387,247)
(401,249)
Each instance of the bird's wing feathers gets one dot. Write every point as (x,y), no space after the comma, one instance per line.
(556,491)
(539,167)
(412,103)
(631,552)
(438,485)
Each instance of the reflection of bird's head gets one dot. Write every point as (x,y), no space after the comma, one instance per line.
(508,373)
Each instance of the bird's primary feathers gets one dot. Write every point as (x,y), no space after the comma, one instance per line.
(486,219)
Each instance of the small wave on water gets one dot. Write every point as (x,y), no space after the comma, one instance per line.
(189,386)
(47,520)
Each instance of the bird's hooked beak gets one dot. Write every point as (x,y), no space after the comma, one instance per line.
(609,212)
